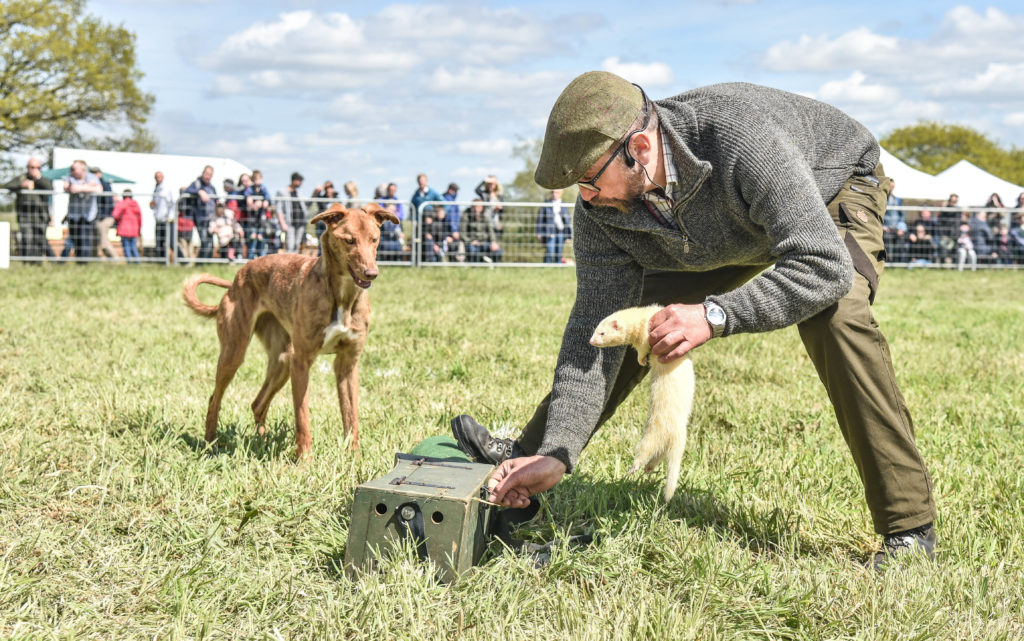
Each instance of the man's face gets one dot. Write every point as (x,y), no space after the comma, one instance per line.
(296,183)
(422,182)
(207,174)
(158,177)
(620,185)
(34,169)
(78,171)
(391,190)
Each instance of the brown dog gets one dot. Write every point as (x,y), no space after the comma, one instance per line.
(299,307)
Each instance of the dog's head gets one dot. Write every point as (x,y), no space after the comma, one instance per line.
(351,239)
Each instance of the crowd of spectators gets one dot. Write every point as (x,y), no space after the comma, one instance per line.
(243,221)
(952,235)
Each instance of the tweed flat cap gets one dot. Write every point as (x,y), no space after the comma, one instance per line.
(590,115)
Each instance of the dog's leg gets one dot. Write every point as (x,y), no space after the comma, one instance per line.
(233,333)
(279,353)
(346,374)
(300,399)
(228,363)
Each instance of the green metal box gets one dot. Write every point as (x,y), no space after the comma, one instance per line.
(435,505)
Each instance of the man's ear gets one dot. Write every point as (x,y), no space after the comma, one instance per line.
(380,213)
(641,147)
(332,216)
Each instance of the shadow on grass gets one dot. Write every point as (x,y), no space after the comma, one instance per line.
(332,564)
(616,503)
(580,505)
(236,440)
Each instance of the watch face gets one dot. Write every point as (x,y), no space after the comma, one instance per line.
(716,315)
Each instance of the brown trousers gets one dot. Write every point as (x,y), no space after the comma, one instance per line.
(849,352)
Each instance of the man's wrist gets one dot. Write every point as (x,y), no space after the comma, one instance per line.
(715,317)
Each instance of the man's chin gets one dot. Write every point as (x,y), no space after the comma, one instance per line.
(623,206)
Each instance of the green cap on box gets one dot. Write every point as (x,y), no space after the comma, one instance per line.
(591,114)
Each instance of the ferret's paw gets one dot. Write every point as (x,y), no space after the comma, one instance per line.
(642,359)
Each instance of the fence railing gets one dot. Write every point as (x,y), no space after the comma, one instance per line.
(948,237)
(452,233)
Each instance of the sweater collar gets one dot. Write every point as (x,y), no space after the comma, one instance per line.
(679,126)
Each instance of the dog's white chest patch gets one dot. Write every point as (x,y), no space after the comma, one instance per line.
(336,332)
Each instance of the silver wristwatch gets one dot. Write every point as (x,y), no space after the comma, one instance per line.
(715,316)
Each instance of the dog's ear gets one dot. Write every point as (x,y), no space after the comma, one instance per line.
(332,216)
(380,213)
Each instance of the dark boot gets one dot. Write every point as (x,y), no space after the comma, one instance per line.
(920,540)
(477,442)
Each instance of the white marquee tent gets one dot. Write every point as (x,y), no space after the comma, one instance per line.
(974,185)
(179,171)
(913,183)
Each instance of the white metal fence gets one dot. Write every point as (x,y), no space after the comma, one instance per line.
(454,233)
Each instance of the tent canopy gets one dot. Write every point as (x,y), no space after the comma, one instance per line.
(913,183)
(974,185)
(62,172)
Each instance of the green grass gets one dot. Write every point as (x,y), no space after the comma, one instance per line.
(116,523)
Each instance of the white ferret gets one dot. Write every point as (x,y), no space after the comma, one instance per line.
(672,387)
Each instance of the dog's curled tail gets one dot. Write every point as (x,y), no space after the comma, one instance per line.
(188,292)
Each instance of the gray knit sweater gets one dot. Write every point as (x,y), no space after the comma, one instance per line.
(756,167)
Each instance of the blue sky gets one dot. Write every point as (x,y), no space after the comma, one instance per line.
(377,91)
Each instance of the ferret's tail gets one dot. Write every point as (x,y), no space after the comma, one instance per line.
(188,292)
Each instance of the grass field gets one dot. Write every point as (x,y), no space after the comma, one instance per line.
(116,523)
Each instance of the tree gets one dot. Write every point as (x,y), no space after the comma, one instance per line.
(66,78)
(933,147)
(523,187)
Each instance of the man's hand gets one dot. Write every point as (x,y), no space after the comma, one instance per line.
(676,330)
(203,196)
(517,479)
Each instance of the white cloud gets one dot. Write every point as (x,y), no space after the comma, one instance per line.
(857,48)
(854,89)
(320,52)
(965,40)
(498,147)
(302,41)
(1015,119)
(490,79)
(653,74)
(466,32)
(880,107)
(965,21)
(276,143)
(503,171)
(969,68)
(997,80)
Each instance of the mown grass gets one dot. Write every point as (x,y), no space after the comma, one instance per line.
(115,522)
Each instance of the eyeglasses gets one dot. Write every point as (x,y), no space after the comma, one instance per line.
(591,185)
(35,166)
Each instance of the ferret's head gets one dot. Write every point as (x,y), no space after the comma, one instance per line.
(610,332)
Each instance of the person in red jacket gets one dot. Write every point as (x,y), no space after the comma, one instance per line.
(128,217)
